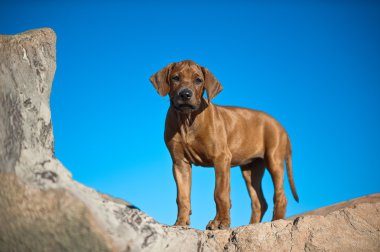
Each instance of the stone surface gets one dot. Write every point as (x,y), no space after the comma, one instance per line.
(372,198)
(38,196)
(43,209)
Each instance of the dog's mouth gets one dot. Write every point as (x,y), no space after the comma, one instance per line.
(185,107)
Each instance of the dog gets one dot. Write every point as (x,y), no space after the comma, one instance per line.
(201,133)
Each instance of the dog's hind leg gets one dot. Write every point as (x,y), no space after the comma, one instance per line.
(253,174)
(276,170)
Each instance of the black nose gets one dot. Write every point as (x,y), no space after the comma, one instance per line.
(186,94)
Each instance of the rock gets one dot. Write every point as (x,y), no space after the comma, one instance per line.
(43,209)
(372,198)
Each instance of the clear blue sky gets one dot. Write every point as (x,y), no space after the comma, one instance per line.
(313,65)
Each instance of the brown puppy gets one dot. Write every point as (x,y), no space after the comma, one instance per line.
(201,133)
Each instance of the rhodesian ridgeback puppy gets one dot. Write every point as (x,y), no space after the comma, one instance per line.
(202,133)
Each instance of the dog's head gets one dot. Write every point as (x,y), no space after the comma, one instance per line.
(185,82)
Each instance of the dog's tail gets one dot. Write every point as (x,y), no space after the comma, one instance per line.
(289,169)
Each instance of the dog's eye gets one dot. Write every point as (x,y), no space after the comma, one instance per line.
(175,78)
(198,80)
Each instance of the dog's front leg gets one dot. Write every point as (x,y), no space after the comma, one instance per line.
(222,194)
(182,176)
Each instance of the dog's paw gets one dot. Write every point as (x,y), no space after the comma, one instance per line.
(182,222)
(224,226)
(216,224)
(212,225)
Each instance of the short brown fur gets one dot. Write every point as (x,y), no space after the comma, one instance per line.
(202,133)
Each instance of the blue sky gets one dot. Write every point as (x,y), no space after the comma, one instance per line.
(313,65)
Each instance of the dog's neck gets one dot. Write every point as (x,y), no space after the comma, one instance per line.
(186,120)
(187,123)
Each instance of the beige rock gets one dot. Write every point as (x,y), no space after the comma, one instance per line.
(46,220)
(372,198)
(27,67)
(43,209)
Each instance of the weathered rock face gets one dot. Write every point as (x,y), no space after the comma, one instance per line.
(43,209)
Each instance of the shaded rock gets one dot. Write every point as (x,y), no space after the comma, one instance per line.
(45,220)
(43,209)
(35,183)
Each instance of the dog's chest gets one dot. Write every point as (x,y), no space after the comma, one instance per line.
(195,145)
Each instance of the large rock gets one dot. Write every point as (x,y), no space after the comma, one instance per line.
(43,209)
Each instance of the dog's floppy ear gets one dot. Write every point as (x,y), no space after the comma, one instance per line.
(160,80)
(212,85)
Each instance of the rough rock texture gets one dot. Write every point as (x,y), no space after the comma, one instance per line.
(43,209)
(372,198)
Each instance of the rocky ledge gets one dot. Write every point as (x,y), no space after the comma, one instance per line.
(43,209)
